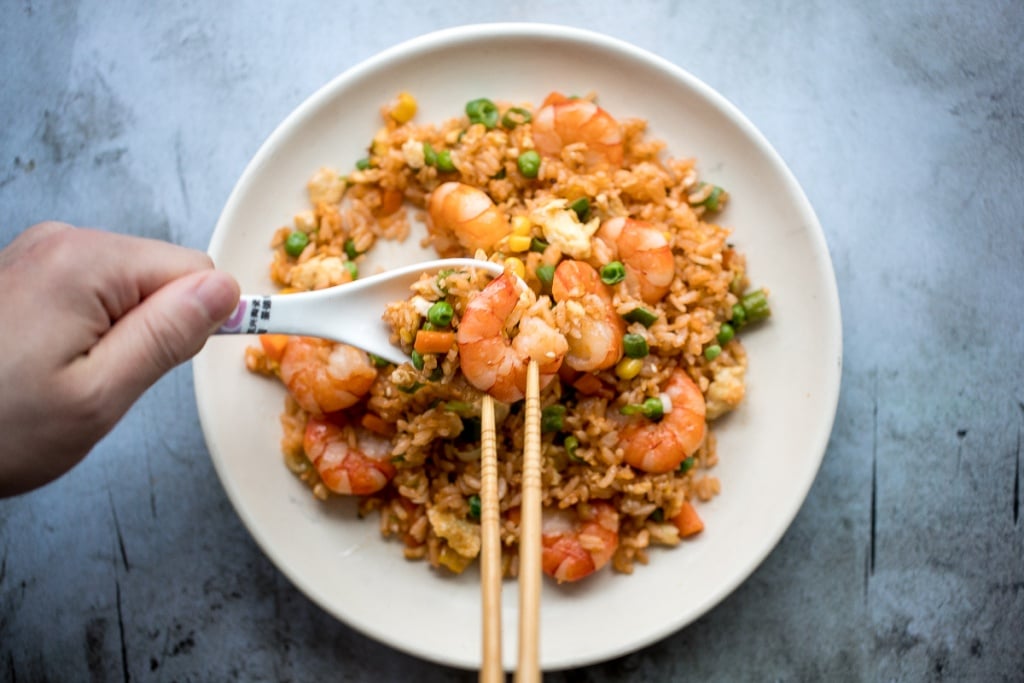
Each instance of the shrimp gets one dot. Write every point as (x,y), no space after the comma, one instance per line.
(577,544)
(592,327)
(325,377)
(643,249)
(562,121)
(463,218)
(349,460)
(488,359)
(660,446)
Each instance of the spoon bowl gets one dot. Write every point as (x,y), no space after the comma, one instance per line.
(350,313)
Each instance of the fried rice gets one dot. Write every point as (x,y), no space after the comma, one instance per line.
(429,412)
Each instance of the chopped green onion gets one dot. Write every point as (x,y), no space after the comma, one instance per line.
(658,515)
(444,161)
(296,243)
(712,352)
(441,313)
(483,111)
(352,269)
(571,444)
(437,374)
(474,506)
(412,388)
(470,429)
(378,361)
(552,419)
(711,203)
(363,164)
(515,116)
(538,245)
(613,273)
(429,326)
(417,359)
(546,274)
(529,163)
(642,316)
(687,465)
(500,175)
(726,333)
(652,408)
(755,304)
(350,250)
(581,207)
(458,407)
(429,155)
(398,458)
(635,346)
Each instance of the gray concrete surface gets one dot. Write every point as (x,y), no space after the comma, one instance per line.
(904,121)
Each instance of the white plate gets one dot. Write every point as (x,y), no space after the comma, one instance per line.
(770,449)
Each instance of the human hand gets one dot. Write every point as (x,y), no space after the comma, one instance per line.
(89,321)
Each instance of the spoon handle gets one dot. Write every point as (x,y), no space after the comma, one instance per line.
(253,316)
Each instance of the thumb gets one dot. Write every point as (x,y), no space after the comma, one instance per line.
(166,329)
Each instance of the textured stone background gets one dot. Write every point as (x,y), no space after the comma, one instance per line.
(904,121)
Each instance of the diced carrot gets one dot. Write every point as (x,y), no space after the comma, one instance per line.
(588,384)
(554,98)
(377,425)
(390,201)
(273,345)
(432,341)
(688,521)
(567,374)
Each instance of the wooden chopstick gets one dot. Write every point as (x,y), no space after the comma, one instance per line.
(528,668)
(491,670)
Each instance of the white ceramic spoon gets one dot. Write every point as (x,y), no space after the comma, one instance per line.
(349,313)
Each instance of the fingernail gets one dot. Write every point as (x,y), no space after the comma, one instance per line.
(218,295)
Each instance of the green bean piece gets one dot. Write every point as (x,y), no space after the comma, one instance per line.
(755,304)
(546,274)
(482,110)
(474,506)
(581,207)
(429,155)
(642,316)
(363,164)
(652,408)
(529,163)
(515,116)
(552,418)
(417,359)
(739,316)
(613,273)
(295,243)
(712,352)
(441,313)
(725,333)
(444,161)
(635,346)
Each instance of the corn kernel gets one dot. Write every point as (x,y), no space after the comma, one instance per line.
(518,243)
(516,266)
(404,109)
(289,290)
(521,225)
(628,368)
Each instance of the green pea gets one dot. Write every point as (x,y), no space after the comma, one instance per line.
(417,359)
(482,110)
(529,163)
(739,316)
(726,333)
(515,116)
(635,346)
(582,208)
(441,313)
(613,273)
(652,408)
(642,316)
(712,352)
(552,418)
(296,243)
(474,506)
(429,155)
(444,161)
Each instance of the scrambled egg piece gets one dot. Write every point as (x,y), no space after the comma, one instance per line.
(318,272)
(725,392)
(563,229)
(326,185)
(463,537)
(412,151)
